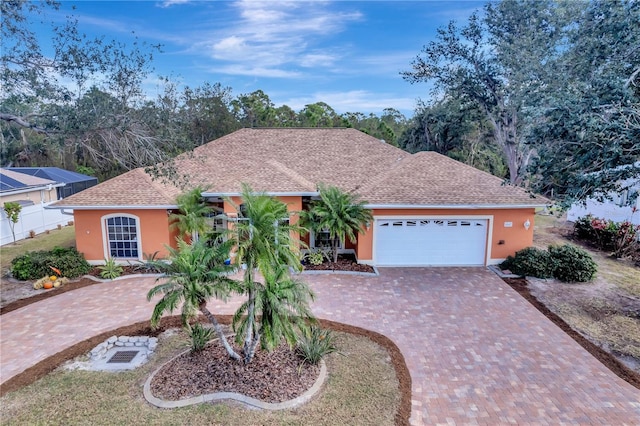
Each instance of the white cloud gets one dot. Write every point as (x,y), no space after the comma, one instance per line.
(312,60)
(273,36)
(239,69)
(354,100)
(169,3)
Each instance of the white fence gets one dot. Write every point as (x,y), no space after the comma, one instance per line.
(32,218)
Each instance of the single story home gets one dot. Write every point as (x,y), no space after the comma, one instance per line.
(36,188)
(32,194)
(74,182)
(428,209)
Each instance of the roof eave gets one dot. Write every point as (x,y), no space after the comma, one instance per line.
(144,207)
(270,193)
(455,206)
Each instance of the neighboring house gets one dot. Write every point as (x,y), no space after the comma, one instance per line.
(74,182)
(428,209)
(618,208)
(33,194)
(35,189)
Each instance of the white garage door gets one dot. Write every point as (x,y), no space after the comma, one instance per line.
(424,242)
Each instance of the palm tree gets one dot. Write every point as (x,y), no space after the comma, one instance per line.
(195,274)
(192,218)
(264,240)
(340,213)
(282,304)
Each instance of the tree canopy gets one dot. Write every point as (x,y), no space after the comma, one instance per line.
(557,84)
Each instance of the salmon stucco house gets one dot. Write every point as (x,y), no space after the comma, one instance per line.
(428,209)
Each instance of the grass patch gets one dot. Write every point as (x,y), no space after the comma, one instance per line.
(65,237)
(620,274)
(362,388)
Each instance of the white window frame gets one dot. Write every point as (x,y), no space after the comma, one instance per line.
(312,240)
(105,237)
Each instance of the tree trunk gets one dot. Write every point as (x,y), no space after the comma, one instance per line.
(248,339)
(335,250)
(505,134)
(212,319)
(248,356)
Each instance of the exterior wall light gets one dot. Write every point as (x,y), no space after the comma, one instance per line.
(527,224)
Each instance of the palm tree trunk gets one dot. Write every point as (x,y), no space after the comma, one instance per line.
(216,325)
(335,250)
(248,339)
(248,356)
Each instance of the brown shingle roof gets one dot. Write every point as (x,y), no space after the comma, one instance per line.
(133,188)
(290,160)
(296,160)
(432,179)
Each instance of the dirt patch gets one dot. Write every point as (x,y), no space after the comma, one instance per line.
(17,294)
(609,360)
(142,328)
(346,262)
(606,310)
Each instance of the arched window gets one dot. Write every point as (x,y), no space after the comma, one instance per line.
(121,233)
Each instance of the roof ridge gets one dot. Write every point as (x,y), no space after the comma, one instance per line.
(26,179)
(458,163)
(292,174)
(382,176)
(162,188)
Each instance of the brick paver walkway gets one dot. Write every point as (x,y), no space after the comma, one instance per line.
(478,353)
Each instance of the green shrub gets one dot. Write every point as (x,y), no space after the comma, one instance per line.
(199,336)
(314,344)
(620,238)
(36,264)
(531,262)
(151,264)
(110,269)
(316,257)
(573,264)
(583,228)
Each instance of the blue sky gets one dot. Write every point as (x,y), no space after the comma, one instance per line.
(345,53)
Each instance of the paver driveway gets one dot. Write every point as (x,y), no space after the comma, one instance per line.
(478,353)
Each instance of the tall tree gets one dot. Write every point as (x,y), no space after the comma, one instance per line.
(93,115)
(254,110)
(264,239)
(588,128)
(496,61)
(318,114)
(457,129)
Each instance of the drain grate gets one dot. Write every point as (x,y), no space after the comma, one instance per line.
(122,357)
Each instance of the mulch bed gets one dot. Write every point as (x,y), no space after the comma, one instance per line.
(275,376)
(346,262)
(620,370)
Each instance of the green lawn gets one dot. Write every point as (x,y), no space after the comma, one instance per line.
(65,237)
(362,389)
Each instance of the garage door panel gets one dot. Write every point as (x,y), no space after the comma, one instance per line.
(422,242)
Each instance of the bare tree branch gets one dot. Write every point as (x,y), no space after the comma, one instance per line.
(21,121)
